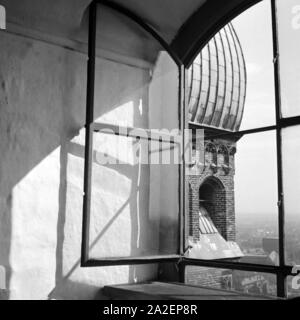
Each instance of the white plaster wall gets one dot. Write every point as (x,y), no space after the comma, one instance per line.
(42,108)
(31,126)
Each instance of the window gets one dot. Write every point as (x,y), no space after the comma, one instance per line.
(256,209)
(132,163)
(189,214)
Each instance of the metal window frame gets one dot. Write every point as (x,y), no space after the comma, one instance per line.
(282,271)
(92,126)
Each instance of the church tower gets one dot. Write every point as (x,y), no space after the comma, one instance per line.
(216,95)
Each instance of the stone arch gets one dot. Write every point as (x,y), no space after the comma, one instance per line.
(212,196)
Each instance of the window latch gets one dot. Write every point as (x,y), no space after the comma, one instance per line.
(280,201)
(275,59)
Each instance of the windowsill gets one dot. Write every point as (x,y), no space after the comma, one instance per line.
(173,291)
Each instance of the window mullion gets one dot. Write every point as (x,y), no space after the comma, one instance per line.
(281,279)
(89,131)
(183,185)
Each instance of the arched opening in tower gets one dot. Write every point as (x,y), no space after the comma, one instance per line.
(212,197)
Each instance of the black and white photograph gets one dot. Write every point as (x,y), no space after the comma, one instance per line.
(150,150)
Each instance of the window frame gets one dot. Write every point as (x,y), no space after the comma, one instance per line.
(92,126)
(282,271)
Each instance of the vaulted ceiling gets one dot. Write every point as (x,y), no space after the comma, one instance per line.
(182,23)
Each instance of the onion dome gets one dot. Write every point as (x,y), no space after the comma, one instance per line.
(217,83)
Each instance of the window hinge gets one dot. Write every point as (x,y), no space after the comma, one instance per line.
(280,201)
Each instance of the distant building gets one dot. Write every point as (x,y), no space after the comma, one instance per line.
(217,91)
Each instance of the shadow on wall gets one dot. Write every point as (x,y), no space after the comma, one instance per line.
(122,202)
(39,85)
(42,106)
(5,212)
(66,286)
(5,236)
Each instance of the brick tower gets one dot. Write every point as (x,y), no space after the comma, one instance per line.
(217,91)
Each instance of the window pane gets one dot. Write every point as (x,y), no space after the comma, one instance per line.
(140,87)
(289,49)
(235,192)
(254,31)
(134,204)
(245,282)
(134,188)
(238,73)
(256,198)
(291,183)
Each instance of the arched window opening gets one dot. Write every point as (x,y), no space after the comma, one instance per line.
(212,196)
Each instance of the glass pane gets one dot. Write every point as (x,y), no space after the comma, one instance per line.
(291,183)
(246,282)
(135,185)
(134,200)
(289,48)
(237,72)
(139,87)
(256,197)
(254,31)
(235,194)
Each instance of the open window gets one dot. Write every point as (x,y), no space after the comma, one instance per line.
(220,213)
(133,163)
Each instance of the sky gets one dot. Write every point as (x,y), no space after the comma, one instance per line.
(256,175)
(256,167)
